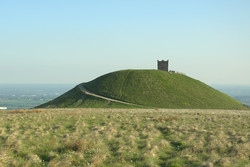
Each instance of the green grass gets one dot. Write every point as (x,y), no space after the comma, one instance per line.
(124,137)
(75,98)
(155,88)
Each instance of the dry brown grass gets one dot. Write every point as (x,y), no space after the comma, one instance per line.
(124,137)
(21,111)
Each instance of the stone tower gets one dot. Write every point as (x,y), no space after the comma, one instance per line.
(163,65)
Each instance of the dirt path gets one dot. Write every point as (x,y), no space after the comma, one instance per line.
(84,90)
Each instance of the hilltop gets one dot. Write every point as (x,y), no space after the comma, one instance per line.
(147,88)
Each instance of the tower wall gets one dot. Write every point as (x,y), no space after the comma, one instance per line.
(163,65)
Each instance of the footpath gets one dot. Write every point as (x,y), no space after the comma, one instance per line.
(84,90)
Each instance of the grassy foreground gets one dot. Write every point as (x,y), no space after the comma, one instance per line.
(124,137)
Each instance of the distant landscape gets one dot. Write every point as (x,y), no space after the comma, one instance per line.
(24,96)
(238,92)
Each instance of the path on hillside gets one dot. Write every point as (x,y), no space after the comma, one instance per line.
(84,90)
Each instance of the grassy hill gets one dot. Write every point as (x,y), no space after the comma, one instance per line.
(150,88)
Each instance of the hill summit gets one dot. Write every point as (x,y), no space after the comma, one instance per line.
(144,88)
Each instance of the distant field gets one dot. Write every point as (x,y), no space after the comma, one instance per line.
(243,99)
(16,96)
(240,93)
(124,137)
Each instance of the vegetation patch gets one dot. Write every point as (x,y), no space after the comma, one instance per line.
(124,137)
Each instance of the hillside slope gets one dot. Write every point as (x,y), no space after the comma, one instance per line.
(75,98)
(151,88)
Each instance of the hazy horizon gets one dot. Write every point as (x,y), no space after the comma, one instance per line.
(74,84)
(70,42)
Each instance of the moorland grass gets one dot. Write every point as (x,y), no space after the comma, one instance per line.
(124,137)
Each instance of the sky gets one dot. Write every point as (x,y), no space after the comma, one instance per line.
(75,41)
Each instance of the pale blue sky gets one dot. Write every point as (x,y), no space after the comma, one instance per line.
(74,41)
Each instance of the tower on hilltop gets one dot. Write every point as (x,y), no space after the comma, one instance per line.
(163,65)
